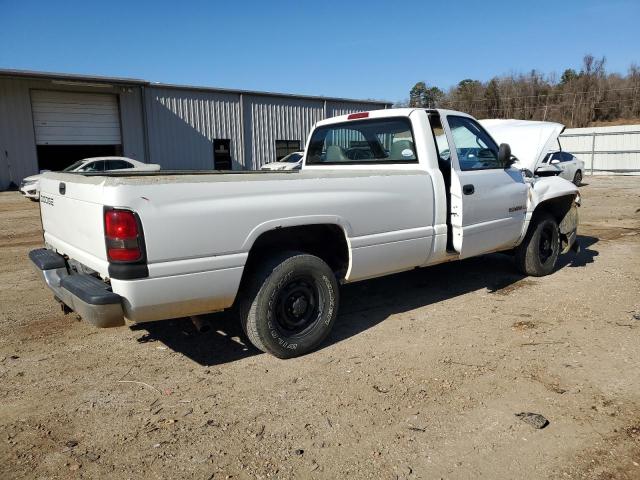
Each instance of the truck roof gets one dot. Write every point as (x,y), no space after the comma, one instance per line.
(387,112)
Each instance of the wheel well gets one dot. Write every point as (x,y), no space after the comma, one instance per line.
(565,214)
(558,207)
(325,241)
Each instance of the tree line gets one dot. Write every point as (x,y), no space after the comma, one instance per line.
(576,99)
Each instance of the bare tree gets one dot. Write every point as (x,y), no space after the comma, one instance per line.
(577,99)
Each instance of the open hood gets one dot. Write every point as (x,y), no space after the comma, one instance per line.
(529,140)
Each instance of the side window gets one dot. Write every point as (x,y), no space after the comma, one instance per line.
(566,157)
(117,164)
(475,148)
(97,166)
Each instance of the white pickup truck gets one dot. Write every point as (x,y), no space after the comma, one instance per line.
(379,192)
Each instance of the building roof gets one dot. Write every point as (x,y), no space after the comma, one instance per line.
(72,77)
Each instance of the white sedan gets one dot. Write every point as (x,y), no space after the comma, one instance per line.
(293,161)
(30,186)
(572,167)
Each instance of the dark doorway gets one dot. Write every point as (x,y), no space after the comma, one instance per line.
(285,147)
(57,157)
(222,154)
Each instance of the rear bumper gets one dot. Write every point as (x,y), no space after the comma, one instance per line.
(86,295)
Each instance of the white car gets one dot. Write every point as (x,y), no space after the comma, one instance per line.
(293,161)
(536,144)
(275,246)
(572,168)
(30,186)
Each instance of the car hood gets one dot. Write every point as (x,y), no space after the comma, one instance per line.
(529,140)
(32,178)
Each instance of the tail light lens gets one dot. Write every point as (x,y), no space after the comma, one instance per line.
(355,116)
(122,236)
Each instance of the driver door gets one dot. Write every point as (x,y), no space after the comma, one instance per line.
(488,201)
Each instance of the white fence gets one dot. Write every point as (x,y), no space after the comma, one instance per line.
(605,150)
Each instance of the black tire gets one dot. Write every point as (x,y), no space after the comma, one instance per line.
(538,253)
(289,304)
(577,178)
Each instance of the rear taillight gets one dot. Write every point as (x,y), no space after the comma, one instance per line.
(123,236)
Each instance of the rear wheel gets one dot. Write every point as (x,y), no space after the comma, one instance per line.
(577,178)
(538,253)
(289,305)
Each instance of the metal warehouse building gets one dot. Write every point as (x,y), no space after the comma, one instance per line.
(49,120)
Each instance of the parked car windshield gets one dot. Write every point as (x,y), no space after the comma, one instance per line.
(73,166)
(388,140)
(292,158)
(560,156)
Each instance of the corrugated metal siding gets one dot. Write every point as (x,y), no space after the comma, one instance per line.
(182,125)
(131,119)
(335,109)
(623,147)
(278,119)
(18,158)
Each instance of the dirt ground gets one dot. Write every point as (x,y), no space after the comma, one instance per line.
(422,377)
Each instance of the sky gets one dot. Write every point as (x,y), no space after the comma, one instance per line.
(357,49)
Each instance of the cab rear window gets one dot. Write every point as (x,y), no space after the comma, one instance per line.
(388,140)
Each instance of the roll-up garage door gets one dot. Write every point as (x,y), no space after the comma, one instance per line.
(69,118)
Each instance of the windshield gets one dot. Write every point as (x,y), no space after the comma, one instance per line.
(291,158)
(73,166)
(388,140)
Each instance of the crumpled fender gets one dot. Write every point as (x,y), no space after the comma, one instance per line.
(543,189)
(569,229)
(546,188)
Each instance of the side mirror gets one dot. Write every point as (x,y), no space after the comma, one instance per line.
(504,155)
(555,161)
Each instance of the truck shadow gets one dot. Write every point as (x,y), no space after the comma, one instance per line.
(363,305)
(366,304)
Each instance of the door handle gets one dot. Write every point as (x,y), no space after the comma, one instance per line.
(468,189)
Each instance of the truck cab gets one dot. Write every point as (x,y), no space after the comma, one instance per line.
(489,202)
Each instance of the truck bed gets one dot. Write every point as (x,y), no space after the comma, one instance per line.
(197,176)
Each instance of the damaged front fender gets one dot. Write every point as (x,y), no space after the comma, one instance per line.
(569,229)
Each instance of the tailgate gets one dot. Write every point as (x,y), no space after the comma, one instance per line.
(72,218)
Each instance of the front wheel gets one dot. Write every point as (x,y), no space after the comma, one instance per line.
(538,253)
(577,178)
(289,304)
